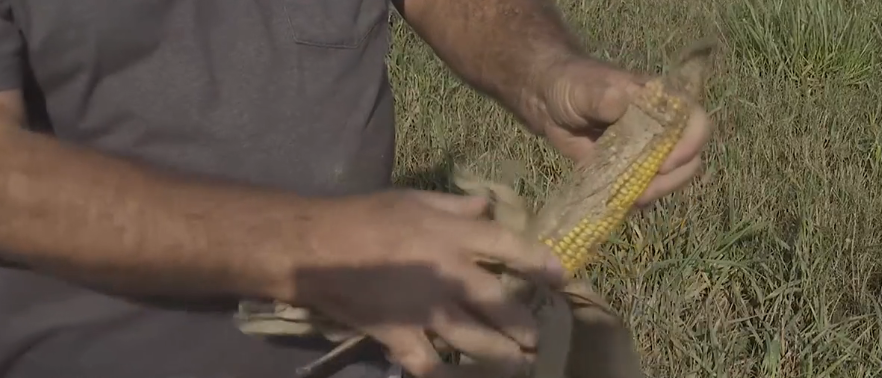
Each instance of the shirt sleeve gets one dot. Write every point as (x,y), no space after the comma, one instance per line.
(11,44)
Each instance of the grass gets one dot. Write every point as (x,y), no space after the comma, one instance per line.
(770,263)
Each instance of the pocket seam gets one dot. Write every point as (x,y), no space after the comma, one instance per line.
(342,45)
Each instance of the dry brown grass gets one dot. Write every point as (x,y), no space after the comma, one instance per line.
(769,265)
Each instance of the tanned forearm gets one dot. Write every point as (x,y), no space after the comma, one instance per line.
(503,48)
(118,225)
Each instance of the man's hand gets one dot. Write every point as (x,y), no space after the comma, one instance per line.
(584,96)
(520,53)
(401,265)
(396,265)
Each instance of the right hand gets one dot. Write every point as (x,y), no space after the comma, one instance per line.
(400,264)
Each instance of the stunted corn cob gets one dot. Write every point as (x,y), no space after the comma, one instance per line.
(575,246)
(598,196)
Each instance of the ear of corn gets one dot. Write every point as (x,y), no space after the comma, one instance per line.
(576,247)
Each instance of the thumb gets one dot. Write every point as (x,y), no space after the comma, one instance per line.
(592,94)
(599,103)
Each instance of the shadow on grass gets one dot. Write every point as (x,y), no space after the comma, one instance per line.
(437,177)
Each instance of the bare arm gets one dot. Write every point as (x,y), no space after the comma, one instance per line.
(505,48)
(105,221)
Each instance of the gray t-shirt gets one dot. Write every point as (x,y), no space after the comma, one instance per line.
(285,93)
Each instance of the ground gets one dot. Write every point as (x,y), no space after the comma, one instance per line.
(770,264)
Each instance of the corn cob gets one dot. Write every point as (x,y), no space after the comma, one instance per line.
(574,247)
(598,195)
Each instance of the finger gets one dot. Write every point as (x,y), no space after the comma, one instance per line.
(600,102)
(577,145)
(478,341)
(666,184)
(488,240)
(604,93)
(485,294)
(695,137)
(411,348)
(468,206)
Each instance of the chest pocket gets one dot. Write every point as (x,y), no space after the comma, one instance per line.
(343,24)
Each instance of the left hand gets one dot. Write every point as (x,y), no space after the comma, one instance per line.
(586,96)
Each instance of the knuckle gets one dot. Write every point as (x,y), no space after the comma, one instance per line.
(487,295)
(508,243)
(486,292)
(702,120)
